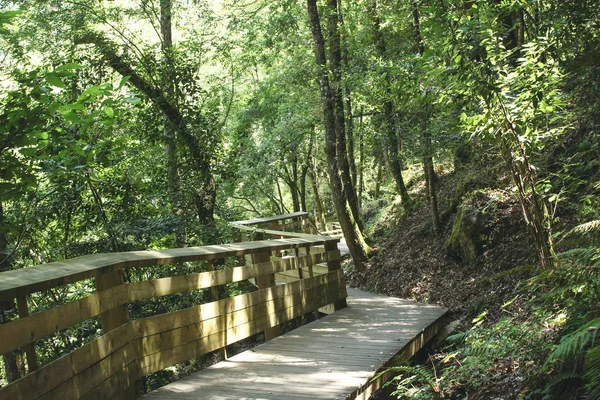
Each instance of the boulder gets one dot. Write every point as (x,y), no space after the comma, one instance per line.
(468,237)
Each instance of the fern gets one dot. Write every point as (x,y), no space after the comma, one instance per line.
(559,379)
(409,379)
(592,372)
(574,344)
(588,227)
(458,338)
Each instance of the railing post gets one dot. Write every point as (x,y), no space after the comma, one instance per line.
(214,295)
(264,282)
(29,348)
(118,316)
(334,265)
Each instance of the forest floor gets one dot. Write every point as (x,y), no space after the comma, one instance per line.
(412,263)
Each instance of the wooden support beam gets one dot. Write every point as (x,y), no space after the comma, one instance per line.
(214,295)
(263,282)
(29,348)
(117,316)
(334,265)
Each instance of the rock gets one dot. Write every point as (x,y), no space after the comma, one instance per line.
(466,242)
(445,332)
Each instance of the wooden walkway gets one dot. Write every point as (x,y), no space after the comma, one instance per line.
(334,357)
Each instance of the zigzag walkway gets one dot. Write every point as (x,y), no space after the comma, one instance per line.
(334,357)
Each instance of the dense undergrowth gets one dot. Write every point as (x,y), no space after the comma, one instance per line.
(523,332)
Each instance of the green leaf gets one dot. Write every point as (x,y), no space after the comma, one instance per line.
(68,67)
(71,116)
(110,112)
(55,81)
(123,82)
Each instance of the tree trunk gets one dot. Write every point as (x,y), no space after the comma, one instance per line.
(303,188)
(348,109)
(351,160)
(317,200)
(428,166)
(378,179)
(356,244)
(430,181)
(393,156)
(361,163)
(170,143)
(335,61)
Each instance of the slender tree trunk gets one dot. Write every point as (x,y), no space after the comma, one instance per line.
(352,233)
(378,179)
(317,199)
(348,108)
(393,156)
(351,160)
(303,188)
(535,210)
(335,61)
(361,162)
(428,166)
(430,181)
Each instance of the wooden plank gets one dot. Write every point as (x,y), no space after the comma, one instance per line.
(309,362)
(243,317)
(28,280)
(160,360)
(87,380)
(120,386)
(62,369)
(203,280)
(37,326)
(275,218)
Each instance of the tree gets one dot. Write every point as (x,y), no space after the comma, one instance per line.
(393,146)
(358,248)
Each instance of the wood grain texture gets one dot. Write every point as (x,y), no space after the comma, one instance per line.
(331,358)
(24,281)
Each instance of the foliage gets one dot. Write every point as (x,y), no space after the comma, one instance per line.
(414,382)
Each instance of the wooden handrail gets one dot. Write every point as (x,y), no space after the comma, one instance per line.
(275,218)
(129,349)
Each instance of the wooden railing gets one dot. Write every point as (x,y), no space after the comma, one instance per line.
(128,349)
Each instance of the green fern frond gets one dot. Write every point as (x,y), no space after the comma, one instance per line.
(580,256)
(574,344)
(592,372)
(458,338)
(566,376)
(582,229)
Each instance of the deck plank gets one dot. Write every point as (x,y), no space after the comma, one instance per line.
(327,359)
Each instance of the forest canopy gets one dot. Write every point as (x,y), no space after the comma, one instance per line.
(147,124)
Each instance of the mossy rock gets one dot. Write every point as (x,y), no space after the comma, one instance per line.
(469,230)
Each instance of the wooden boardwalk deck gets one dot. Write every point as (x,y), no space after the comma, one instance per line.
(331,358)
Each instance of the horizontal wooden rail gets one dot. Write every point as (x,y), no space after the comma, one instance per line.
(130,349)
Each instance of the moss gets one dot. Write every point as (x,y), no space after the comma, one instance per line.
(468,237)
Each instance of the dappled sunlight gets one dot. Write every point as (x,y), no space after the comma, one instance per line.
(327,358)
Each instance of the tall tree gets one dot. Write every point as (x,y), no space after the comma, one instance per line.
(428,166)
(352,233)
(337,89)
(168,76)
(393,156)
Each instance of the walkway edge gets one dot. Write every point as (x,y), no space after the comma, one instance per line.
(402,356)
